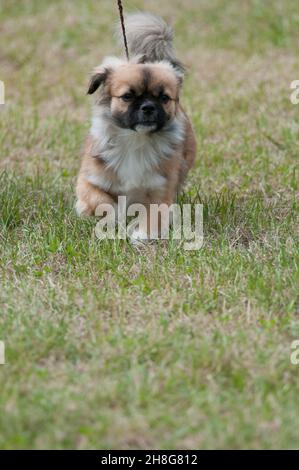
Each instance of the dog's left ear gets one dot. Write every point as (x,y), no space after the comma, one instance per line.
(98,78)
(180,71)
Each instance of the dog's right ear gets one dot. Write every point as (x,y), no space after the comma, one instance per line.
(98,78)
(101,73)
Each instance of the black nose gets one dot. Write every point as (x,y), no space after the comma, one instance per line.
(148,108)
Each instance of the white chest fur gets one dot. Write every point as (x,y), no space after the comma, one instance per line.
(133,156)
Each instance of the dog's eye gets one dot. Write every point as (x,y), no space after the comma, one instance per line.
(127,97)
(164,98)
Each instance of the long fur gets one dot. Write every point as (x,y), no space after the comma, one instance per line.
(133,155)
(149,36)
(147,166)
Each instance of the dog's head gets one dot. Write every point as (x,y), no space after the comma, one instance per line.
(137,96)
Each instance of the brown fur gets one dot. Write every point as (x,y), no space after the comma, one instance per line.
(174,168)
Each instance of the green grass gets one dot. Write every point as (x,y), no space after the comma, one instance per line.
(109,347)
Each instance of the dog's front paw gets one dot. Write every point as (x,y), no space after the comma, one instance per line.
(82,209)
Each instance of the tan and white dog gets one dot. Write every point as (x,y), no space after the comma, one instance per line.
(141,143)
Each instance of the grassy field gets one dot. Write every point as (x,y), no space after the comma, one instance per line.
(109,347)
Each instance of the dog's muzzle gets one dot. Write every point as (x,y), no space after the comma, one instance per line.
(148,113)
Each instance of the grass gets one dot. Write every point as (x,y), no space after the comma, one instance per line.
(109,347)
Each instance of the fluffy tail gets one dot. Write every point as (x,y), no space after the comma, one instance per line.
(149,36)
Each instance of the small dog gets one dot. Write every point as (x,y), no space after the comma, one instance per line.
(141,143)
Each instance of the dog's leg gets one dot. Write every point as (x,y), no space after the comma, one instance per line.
(189,152)
(89,197)
(154,224)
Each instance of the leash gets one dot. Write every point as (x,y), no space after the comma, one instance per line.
(123,27)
